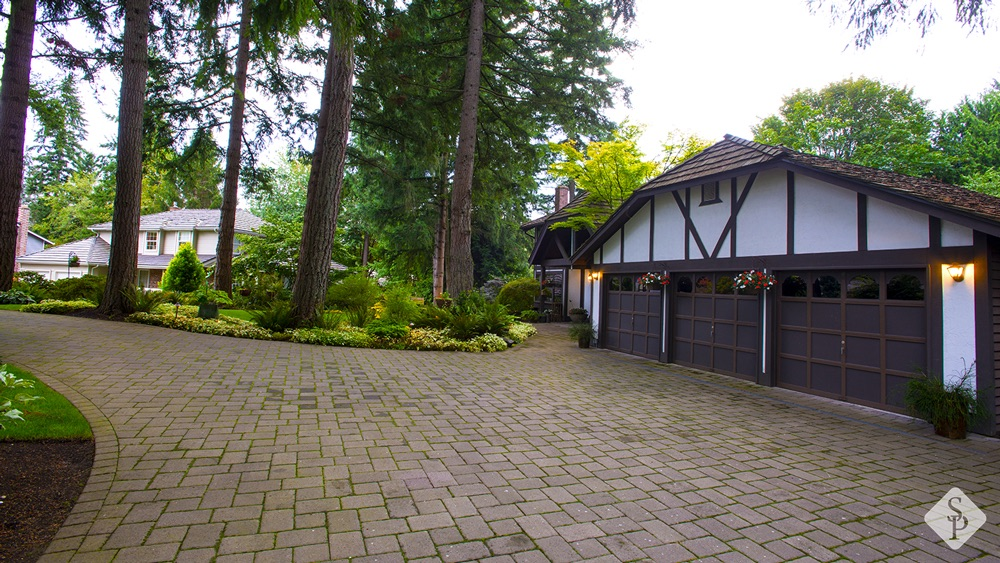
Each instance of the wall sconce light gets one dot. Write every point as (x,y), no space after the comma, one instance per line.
(595,276)
(957,272)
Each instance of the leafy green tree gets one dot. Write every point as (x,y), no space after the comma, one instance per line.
(276,251)
(185,273)
(281,195)
(58,152)
(969,136)
(607,171)
(987,182)
(679,147)
(874,18)
(857,120)
(71,207)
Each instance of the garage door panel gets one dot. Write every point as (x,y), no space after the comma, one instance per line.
(826,315)
(826,346)
(627,302)
(748,311)
(614,300)
(703,331)
(701,355)
(746,363)
(703,308)
(863,318)
(905,321)
(864,351)
(905,356)
(826,378)
(725,334)
(746,337)
(682,353)
(795,313)
(792,372)
(794,342)
(725,310)
(685,305)
(633,318)
(863,385)
(722,359)
(883,333)
(683,329)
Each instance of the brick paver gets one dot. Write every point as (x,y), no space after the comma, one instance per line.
(217,448)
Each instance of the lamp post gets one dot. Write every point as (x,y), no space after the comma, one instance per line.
(71,261)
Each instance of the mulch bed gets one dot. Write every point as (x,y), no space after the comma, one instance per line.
(39,483)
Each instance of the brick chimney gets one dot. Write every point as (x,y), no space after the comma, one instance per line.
(562,196)
(174,207)
(23,224)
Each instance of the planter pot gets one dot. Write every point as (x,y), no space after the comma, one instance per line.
(442,303)
(208,310)
(578,317)
(245,292)
(584,343)
(953,429)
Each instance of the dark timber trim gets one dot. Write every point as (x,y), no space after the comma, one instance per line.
(733,211)
(985,375)
(731,224)
(862,222)
(934,236)
(790,212)
(652,226)
(691,231)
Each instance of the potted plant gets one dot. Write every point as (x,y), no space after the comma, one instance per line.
(577,315)
(950,406)
(753,279)
(208,301)
(583,332)
(654,280)
(443,300)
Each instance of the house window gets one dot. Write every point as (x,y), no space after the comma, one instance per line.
(710,193)
(152,240)
(183,237)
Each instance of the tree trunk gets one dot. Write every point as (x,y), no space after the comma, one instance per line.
(460,264)
(128,177)
(13,114)
(325,179)
(230,194)
(364,250)
(441,238)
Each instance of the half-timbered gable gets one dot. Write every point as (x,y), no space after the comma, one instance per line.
(864,299)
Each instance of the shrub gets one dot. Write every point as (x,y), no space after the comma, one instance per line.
(15,297)
(279,317)
(494,319)
(398,307)
(491,289)
(464,326)
(355,295)
(530,316)
(86,287)
(9,381)
(221,326)
(469,302)
(488,343)
(33,284)
(519,332)
(185,272)
(330,320)
(56,307)
(519,294)
(432,339)
(146,301)
(347,336)
(386,329)
(433,317)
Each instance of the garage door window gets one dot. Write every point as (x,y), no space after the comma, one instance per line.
(862,287)
(794,286)
(684,285)
(826,287)
(905,287)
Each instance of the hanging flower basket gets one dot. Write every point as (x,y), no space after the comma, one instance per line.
(753,279)
(654,280)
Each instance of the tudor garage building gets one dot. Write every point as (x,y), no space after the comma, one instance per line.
(878,276)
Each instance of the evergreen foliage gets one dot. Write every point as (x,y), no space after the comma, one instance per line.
(185,272)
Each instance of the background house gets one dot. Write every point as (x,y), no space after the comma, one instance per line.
(160,235)
(28,242)
(878,275)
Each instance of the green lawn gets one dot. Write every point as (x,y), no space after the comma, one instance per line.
(10,307)
(236,314)
(52,417)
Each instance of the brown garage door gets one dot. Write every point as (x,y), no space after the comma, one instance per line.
(633,317)
(716,328)
(855,336)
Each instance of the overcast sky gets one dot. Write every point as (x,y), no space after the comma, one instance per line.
(718,67)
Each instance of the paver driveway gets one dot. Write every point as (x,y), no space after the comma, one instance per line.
(224,449)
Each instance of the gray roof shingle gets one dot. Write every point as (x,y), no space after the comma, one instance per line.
(91,251)
(190,219)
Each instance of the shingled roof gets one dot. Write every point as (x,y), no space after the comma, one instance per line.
(90,251)
(566,212)
(190,220)
(733,153)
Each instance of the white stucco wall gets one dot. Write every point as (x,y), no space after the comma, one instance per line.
(573,297)
(892,227)
(955,235)
(668,229)
(826,217)
(710,220)
(958,308)
(595,306)
(613,249)
(637,236)
(759,224)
